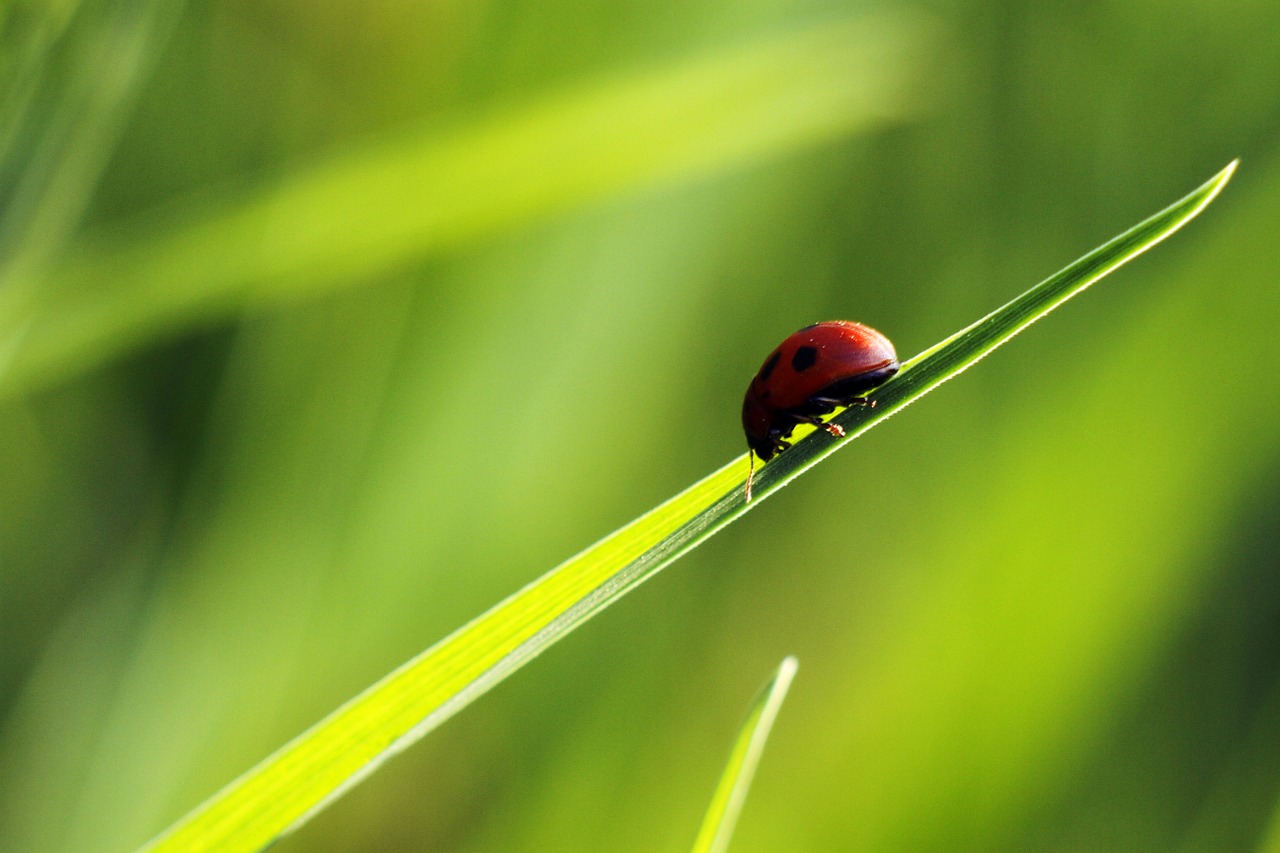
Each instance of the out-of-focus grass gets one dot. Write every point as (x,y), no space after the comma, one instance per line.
(70,74)
(370,212)
(247,528)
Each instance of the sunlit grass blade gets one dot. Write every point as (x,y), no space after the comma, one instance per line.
(953,356)
(350,744)
(731,793)
(356,217)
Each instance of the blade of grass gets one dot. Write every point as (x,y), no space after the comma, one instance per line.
(353,741)
(361,215)
(731,793)
(951,357)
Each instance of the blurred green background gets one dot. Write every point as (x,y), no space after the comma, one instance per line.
(325,326)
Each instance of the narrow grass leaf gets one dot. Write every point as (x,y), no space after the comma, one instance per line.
(731,793)
(358,216)
(353,741)
(958,353)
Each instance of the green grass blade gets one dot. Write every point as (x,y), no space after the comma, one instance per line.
(958,353)
(352,742)
(356,217)
(731,793)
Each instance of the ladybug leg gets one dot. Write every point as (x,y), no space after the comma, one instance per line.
(852,401)
(834,429)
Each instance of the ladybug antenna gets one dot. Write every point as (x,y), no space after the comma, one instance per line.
(751,471)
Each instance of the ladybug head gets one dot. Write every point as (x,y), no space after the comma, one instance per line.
(757,423)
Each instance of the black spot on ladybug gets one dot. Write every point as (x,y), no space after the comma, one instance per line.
(804,358)
(769,366)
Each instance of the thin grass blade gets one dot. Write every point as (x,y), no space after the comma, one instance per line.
(731,793)
(956,354)
(353,741)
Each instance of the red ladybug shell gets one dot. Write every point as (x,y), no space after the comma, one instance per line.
(812,372)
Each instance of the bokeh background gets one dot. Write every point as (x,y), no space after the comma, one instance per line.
(324,326)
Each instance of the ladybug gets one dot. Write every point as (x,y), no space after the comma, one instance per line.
(810,374)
